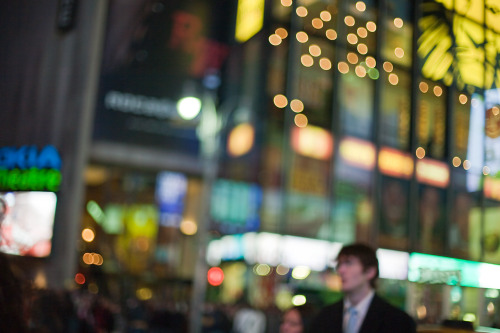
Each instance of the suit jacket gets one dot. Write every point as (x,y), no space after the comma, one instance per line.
(381,317)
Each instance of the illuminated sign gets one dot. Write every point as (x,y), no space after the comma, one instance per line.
(432,172)
(358,152)
(249,19)
(28,169)
(464,30)
(240,140)
(171,189)
(492,188)
(312,141)
(235,206)
(426,268)
(292,251)
(393,162)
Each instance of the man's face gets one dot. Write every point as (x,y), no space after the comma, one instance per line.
(353,275)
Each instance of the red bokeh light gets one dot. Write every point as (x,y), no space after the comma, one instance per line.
(80,278)
(215,276)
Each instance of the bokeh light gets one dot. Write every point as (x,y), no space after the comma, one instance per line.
(325,64)
(296,105)
(88,235)
(280,101)
(307,60)
(331,34)
(300,120)
(302,37)
(420,153)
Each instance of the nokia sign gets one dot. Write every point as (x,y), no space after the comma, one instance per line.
(29,169)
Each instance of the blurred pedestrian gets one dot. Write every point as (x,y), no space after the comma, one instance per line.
(361,310)
(297,319)
(12,305)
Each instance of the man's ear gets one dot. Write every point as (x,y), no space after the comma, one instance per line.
(371,272)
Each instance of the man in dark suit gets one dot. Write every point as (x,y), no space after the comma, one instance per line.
(361,310)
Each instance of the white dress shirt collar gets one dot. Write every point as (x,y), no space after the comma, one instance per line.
(361,307)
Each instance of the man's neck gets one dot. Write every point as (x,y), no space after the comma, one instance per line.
(357,296)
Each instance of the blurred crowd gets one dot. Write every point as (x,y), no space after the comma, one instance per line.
(27,309)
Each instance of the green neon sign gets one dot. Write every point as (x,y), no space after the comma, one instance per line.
(28,169)
(426,268)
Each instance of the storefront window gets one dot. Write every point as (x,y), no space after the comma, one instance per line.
(398,31)
(395,108)
(431,118)
(314,82)
(352,208)
(307,196)
(461,122)
(393,230)
(431,219)
(356,103)
(461,224)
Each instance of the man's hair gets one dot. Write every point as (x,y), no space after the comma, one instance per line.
(366,255)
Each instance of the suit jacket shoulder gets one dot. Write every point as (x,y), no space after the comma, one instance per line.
(382,317)
(329,319)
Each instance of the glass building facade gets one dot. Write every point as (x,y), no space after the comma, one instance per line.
(323,122)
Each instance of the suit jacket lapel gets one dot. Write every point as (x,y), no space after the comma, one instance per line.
(372,321)
(338,317)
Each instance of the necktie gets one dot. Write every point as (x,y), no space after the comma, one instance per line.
(351,321)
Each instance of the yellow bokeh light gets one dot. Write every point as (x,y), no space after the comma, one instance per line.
(262,269)
(88,235)
(282,32)
(87,258)
(343,67)
(307,60)
(349,20)
(456,161)
(275,39)
(420,153)
(388,67)
(352,57)
(300,120)
(286,3)
(393,79)
(144,294)
(399,52)
(325,16)
(361,6)
(421,312)
(188,227)
(424,87)
(486,170)
(360,71)
(325,64)
(362,48)
(371,62)
(296,105)
(282,270)
(317,23)
(398,22)
(467,164)
(362,32)
(280,101)
(331,34)
(463,99)
(301,11)
(302,37)
(352,38)
(371,26)
(495,110)
(315,50)
(438,91)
